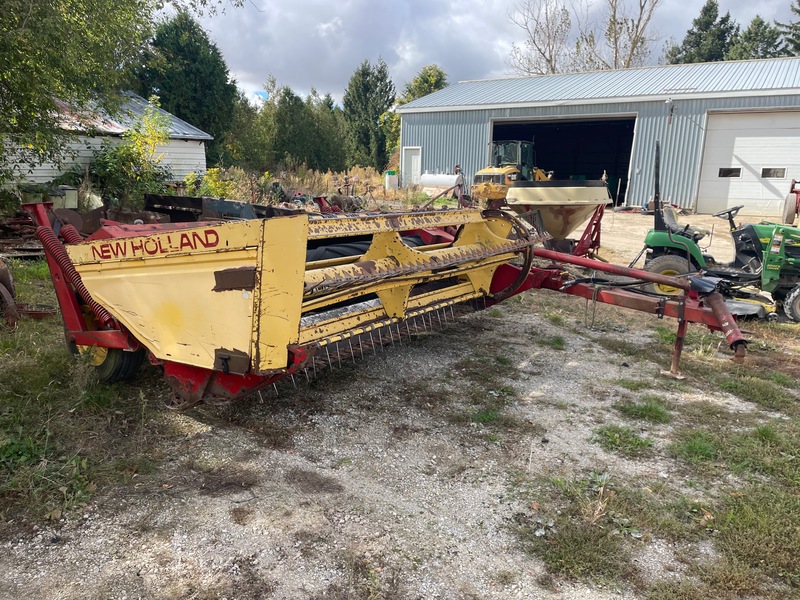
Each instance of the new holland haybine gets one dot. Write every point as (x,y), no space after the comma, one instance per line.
(227,308)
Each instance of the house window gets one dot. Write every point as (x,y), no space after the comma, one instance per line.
(773,173)
(730,172)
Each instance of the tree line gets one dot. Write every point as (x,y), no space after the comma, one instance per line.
(63,59)
(120,46)
(563,39)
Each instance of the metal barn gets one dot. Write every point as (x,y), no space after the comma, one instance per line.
(729,131)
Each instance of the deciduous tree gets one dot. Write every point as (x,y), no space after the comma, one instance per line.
(74,51)
(627,37)
(431,78)
(545,49)
(67,50)
(621,37)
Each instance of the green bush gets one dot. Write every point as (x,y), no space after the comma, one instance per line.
(127,171)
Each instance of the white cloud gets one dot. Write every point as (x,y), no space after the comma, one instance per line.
(319,44)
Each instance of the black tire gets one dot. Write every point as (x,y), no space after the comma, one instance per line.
(780,294)
(791,305)
(667,264)
(113,364)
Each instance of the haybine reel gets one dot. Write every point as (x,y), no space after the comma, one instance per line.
(229,308)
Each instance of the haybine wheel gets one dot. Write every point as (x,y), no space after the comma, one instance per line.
(112,364)
(791,305)
(667,264)
(520,232)
(8,295)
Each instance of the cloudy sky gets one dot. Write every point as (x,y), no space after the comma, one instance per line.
(320,43)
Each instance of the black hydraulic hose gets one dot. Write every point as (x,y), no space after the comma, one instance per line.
(56,250)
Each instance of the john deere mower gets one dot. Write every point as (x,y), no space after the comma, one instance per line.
(767,259)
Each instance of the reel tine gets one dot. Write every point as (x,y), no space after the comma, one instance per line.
(352,352)
(439,316)
(361,346)
(305,371)
(399,335)
(294,383)
(338,355)
(275,387)
(372,341)
(330,364)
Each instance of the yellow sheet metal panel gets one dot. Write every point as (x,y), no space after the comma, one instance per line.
(174,291)
(281,268)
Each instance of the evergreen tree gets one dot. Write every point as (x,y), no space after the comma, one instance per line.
(247,144)
(369,94)
(293,129)
(759,40)
(708,40)
(185,69)
(791,31)
(330,133)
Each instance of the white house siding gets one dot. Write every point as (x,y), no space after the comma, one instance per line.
(181,156)
(184,157)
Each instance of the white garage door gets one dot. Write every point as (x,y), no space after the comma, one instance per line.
(750,159)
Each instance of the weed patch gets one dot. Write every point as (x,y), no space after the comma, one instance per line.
(759,527)
(582,552)
(695,446)
(763,392)
(616,438)
(633,385)
(62,435)
(650,409)
(580,539)
(555,342)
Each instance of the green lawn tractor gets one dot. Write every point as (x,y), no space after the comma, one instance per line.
(767,259)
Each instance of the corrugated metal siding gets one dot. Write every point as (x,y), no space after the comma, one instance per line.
(676,80)
(461,137)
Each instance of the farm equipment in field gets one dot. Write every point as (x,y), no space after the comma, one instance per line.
(766,259)
(227,308)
